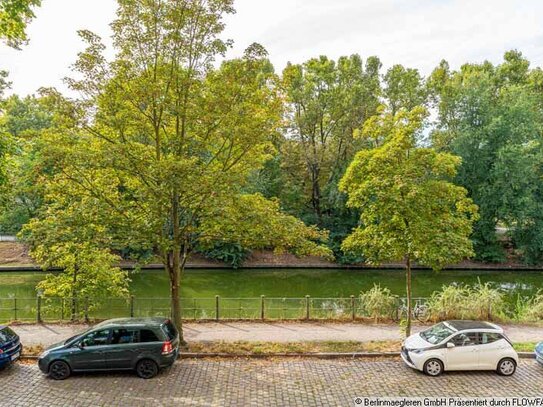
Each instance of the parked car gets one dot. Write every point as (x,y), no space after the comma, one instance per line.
(460,345)
(143,345)
(10,346)
(539,353)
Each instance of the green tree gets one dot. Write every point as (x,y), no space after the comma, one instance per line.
(327,102)
(404,88)
(22,123)
(163,140)
(491,117)
(409,209)
(14,16)
(66,235)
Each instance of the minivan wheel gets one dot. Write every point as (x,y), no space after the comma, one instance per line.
(59,370)
(507,367)
(146,369)
(433,367)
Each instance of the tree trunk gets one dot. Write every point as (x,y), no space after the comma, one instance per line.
(316,192)
(174,271)
(408,292)
(74,294)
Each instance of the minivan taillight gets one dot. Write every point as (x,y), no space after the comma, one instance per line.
(167,348)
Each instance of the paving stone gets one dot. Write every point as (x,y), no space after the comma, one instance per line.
(241,382)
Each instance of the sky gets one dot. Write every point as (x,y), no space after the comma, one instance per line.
(415,33)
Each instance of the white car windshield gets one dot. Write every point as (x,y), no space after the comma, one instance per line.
(436,334)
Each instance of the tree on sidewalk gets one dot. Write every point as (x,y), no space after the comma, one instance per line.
(408,207)
(69,239)
(163,142)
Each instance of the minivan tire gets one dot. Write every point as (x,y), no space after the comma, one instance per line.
(59,370)
(146,369)
(506,367)
(433,367)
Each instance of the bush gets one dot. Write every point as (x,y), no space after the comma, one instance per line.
(378,302)
(447,303)
(533,309)
(485,302)
(463,302)
(230,253)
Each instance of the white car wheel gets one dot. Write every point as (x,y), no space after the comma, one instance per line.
(433,367)
(507,367)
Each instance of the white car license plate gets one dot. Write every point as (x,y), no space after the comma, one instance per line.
(15,356)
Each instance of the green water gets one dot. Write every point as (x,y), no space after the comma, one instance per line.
(292,283)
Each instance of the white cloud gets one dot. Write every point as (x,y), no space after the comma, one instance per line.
(416,33)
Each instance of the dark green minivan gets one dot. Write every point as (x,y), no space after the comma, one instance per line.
(141,344)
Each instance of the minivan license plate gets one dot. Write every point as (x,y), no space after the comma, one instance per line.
(15,356)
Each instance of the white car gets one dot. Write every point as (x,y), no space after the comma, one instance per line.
(460,345)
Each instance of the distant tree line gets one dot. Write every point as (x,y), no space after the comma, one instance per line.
(164,154)
(491,116)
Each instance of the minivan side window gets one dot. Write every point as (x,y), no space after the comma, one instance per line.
(96,338)
(146,335)
(466,339)
(123,336)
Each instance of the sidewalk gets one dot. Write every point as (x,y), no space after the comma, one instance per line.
(268,332)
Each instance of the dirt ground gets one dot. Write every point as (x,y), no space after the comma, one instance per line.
(16,254)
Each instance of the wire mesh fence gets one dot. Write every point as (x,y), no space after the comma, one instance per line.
(54,309)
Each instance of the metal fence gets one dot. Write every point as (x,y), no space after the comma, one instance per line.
(53,309)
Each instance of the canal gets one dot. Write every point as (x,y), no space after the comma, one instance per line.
(294,282)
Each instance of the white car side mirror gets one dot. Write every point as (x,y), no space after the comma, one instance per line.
(450,345)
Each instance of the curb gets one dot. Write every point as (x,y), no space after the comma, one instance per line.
(322,355)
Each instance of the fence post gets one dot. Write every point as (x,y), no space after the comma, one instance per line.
(353,308)
(262,307)
(87,310)
(38,307)
(62,309)
(131,306)
(307,307)
(217,315)
(15,309)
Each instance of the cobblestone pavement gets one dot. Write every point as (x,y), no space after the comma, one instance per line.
(279,382)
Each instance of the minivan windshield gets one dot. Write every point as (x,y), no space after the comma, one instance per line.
(436,334)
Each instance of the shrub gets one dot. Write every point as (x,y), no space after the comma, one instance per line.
(463,302)
(378,302)
(447,303)
(485,302)
(533,311)
(230,253)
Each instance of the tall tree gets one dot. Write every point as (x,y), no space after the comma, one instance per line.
(328,102)
(22,122)
(404,88)
(491,117)
(14,16)
(409,209)
(163,143)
